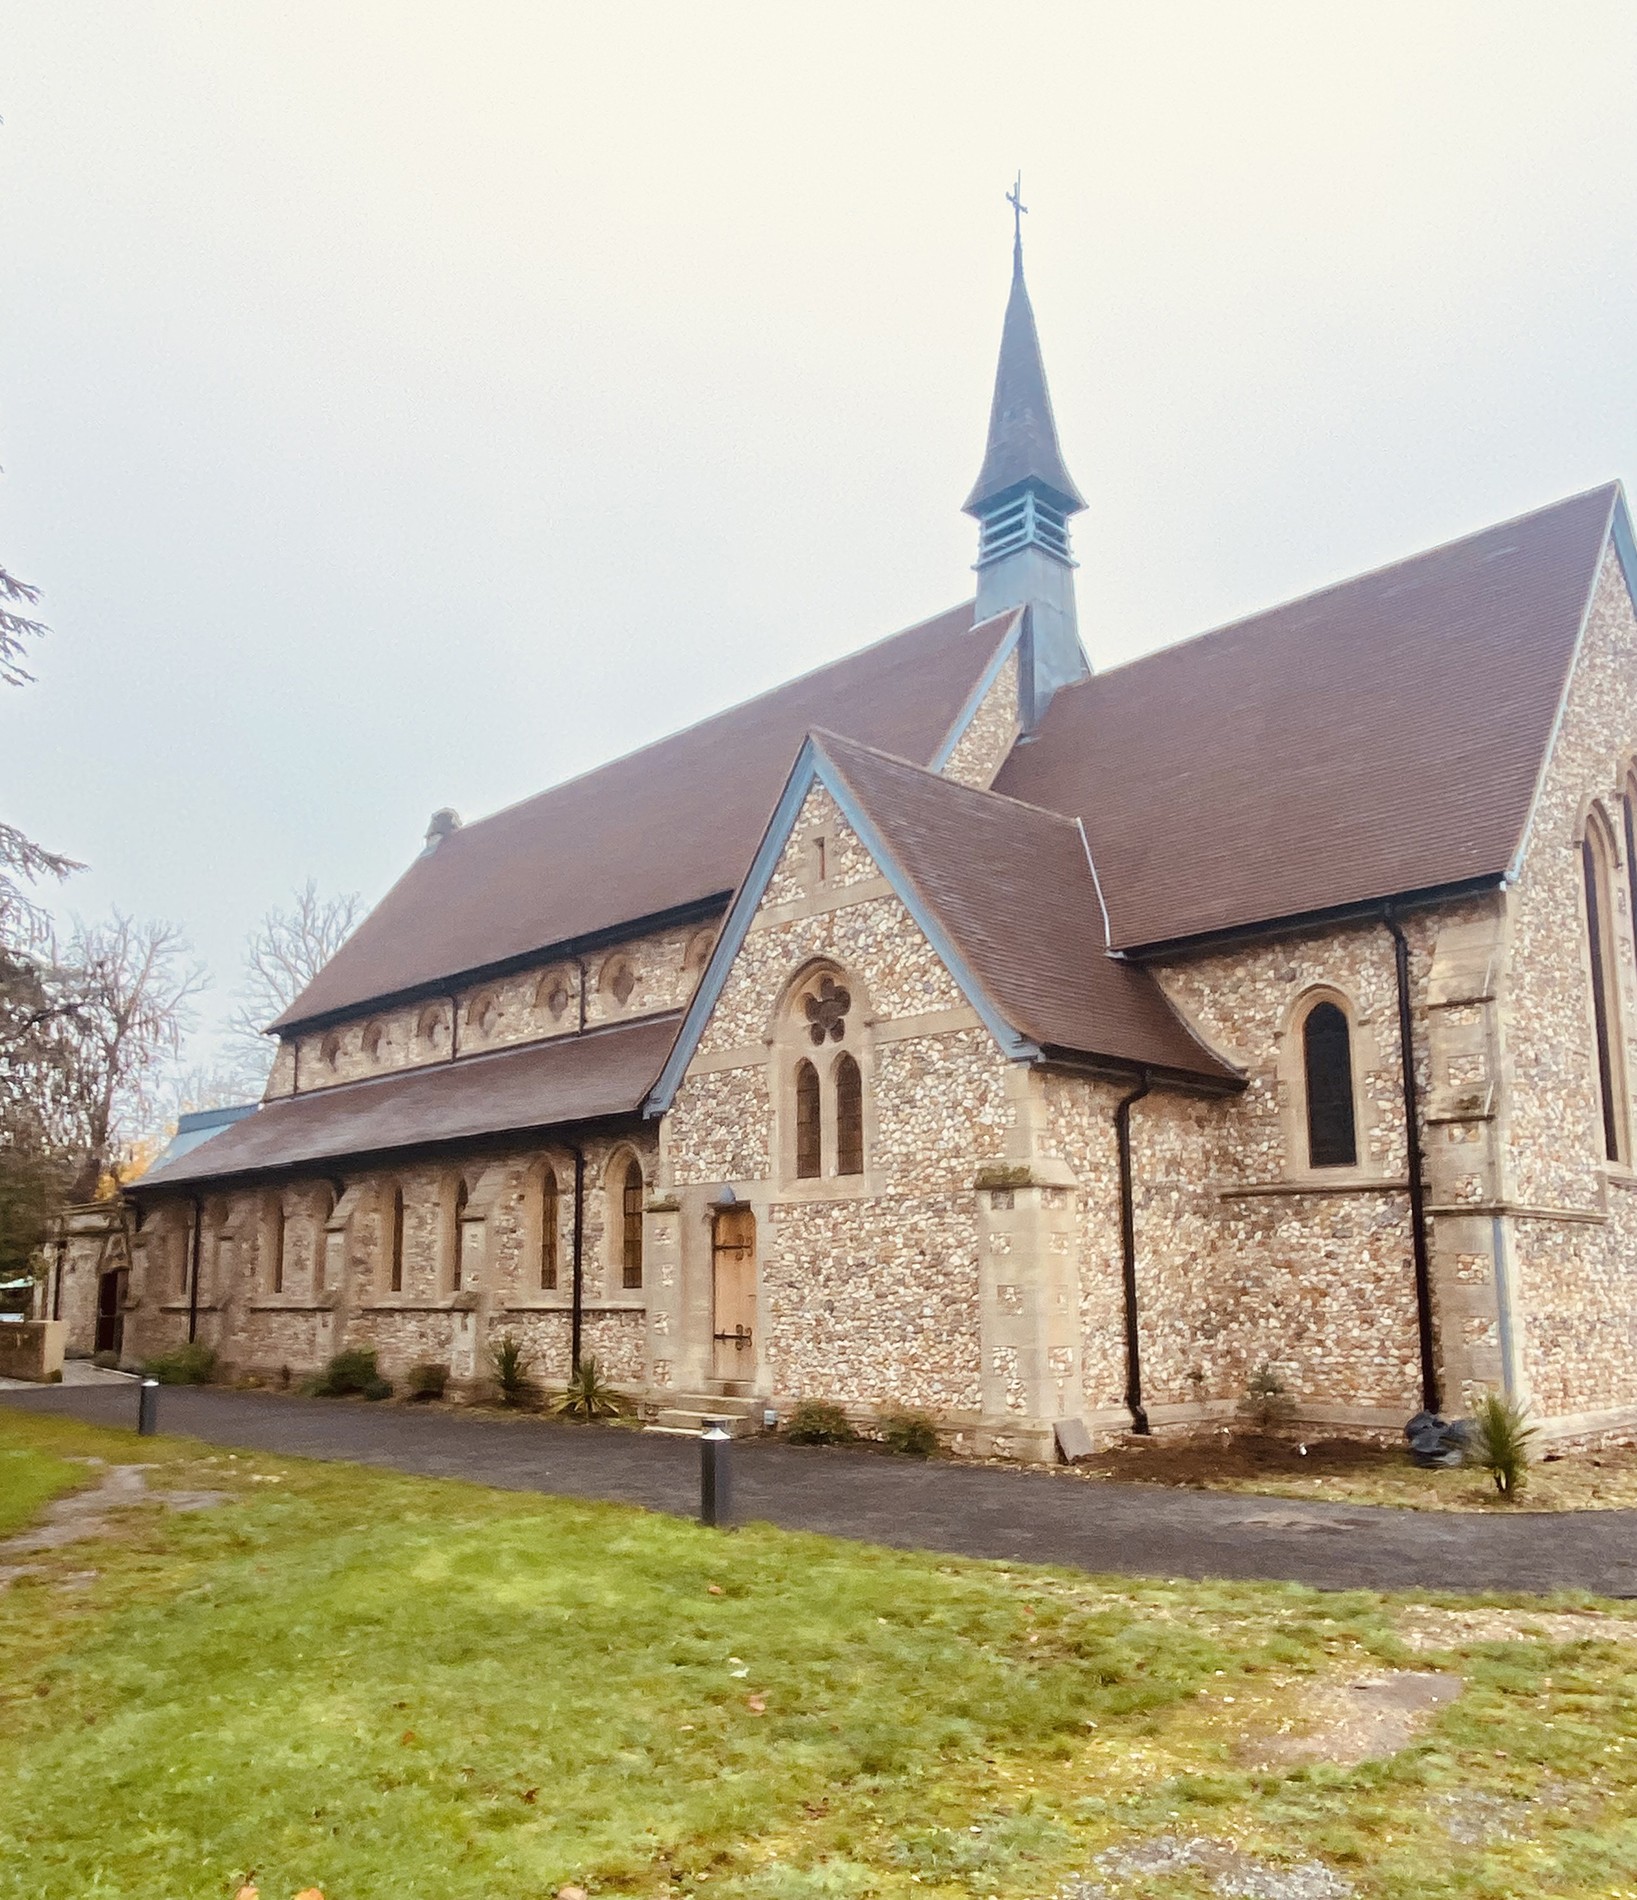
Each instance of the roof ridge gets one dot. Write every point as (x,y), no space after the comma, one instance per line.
(825,735)
(738,705)
(1348,580)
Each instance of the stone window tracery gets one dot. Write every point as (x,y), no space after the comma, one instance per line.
(553,995)
(618,977)
(483,1013)
(395,1241)
(1327,1071)
(457,1269)
(809,1136)
(628,1185)
(275,1243)
(849,1088)
(548,1229)
(821,1100)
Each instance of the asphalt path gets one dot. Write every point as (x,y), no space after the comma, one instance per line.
(969,1510)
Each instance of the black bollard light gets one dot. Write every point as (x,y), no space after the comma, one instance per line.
(715,1475)
(147,1408)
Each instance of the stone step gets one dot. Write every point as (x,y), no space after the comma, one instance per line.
(691,1424)
(717,1404)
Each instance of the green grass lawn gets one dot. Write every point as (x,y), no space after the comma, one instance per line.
(383,1686)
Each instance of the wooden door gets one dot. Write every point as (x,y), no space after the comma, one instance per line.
(733,1263)
(110,1336)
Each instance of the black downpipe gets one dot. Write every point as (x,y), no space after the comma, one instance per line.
(1431,1398)
(57,1283)
(1128,1256)
(577,1309)
(193,1273)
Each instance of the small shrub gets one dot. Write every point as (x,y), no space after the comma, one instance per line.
(354,1370)
(511,1364)
(1502,1438)
(818,1422)
(378,1389)
(586,1396)
(192,1364)
(428,1380)
(911,1433)
(1267,1401)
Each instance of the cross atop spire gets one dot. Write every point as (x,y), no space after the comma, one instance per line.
(1015,199)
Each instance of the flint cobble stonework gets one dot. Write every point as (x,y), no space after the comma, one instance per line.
(1576,1278)
(990,733)
(974,1267)
(640,976)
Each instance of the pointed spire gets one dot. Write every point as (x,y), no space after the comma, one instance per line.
(1022,448)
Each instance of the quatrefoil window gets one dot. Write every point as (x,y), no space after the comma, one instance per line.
(826,1009)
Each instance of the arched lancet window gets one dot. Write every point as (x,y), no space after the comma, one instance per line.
(548,1229)
(809,1140)
(1327,1067)
(326,1207)
(1597,867)
(457,1273)
(395,1240)
(849,1084)
(275,1242)
(631,1226)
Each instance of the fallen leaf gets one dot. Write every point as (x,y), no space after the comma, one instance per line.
(248,1893)
(406,1738)
(715,1589)
(310,1893)
(757,1704)
(531,1795)
(571,1893)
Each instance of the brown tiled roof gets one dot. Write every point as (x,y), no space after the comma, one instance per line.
(1379,737)
(660,829)
(588,1078)
(1010,887)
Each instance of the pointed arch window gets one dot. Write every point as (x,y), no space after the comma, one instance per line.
(849,1086)
(809,1137)
(459,1269)
(321,1242)
(548,1229)
(1597,873)
(631,1226)
(1327,1068)
(396,1241)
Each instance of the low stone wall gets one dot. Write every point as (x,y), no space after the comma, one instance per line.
(32,1349)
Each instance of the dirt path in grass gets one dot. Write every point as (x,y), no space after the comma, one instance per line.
(975,1511)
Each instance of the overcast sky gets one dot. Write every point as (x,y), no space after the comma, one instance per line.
(406,405)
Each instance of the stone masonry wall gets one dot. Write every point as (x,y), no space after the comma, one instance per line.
(868,1284)
(991,732)
(336,1282)
(1574,1239)
(641,976)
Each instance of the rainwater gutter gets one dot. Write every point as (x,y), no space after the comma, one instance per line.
(1430,1396)
(1128,1255)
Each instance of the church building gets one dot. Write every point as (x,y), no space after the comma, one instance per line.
(964,1028)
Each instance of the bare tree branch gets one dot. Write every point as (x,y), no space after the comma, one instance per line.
(16,629)
(283,954)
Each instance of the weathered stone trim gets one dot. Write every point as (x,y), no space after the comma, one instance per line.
(1252,1190)
(1454,1210)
